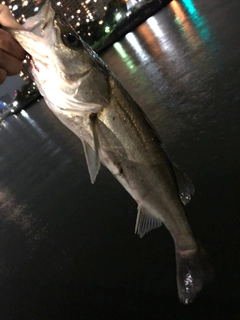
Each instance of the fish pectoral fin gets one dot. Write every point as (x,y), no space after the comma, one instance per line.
(92,154)
(79,108)
(185,185)
(93,161)
(145,222)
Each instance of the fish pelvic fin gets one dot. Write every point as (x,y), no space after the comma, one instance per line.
(185,185)
(193,271)
(145,222)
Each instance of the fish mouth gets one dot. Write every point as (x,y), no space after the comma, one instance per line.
(36,32)
(41,38)
(37,36)
(39,22)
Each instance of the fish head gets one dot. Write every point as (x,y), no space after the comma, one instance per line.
(60,61)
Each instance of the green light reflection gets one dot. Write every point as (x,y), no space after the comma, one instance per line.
(125,57)
(199,22)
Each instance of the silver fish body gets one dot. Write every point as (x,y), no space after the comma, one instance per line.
(87,97)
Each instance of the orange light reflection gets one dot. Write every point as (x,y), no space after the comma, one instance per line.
(153,45)
(185,25)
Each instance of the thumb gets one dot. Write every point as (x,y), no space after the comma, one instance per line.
(7,19)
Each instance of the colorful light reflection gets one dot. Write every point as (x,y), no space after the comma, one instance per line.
(198,21)
(184,24)
(125,56)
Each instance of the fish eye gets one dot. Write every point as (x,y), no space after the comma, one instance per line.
(70,40)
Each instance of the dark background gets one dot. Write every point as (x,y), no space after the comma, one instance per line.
(67,248)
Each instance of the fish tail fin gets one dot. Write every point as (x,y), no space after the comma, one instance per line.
(193,270)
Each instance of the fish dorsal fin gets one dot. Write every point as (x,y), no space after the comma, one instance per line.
(93,161)
(145,222)
(185,185)
(92,155)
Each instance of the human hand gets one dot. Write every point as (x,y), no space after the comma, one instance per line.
(11,53)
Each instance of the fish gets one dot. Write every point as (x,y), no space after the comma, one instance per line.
(87,98)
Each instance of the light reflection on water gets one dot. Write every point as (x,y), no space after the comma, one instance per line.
(164,43)
(125,56)
(137,47)
(33,123)
(51,147)
(152,40)
(184,24)
(162,46)
(12,212)
(149,40)
(194,27)
(160,55)
(199,21)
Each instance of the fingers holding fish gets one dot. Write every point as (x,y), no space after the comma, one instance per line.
(9,45)
(3,75)
(7,19)
(10,57)
(11,53)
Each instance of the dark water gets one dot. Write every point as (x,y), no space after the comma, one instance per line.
(67,248)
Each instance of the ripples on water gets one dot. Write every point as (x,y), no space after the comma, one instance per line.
(172,65)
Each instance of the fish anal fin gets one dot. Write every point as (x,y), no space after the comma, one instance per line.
(145,222)
(93,161)
(185,185)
